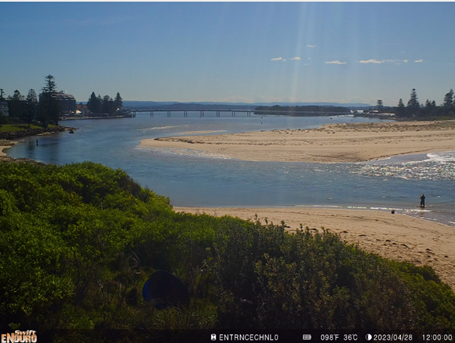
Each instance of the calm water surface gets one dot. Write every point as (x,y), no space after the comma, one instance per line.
(191,178)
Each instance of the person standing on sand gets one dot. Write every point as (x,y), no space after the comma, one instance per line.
(422,201)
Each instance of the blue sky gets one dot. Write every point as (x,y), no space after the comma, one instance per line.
(233,51)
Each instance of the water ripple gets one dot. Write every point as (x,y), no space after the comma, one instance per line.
(434,167)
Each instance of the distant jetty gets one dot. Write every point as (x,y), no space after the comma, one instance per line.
(129,115)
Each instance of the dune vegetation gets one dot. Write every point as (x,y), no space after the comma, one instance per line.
(78,242)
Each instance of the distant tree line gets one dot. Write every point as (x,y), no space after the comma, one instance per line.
(28,109)
(98,104)
(47,108)
(423,111)
(302,110)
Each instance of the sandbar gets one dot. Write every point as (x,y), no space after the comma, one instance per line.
(394,236)
(201,132)
(331,143)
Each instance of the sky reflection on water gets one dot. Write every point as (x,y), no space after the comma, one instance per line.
(191,178)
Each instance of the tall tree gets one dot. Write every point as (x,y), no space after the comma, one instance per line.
(48,106)
(413,108)
(17,96)
(49,86)
(448,99)
(99,99)
(31,107)
(107,104)
(413,102)
(94,103)
(118,101)
(379,106)
(16,104)
(400,109)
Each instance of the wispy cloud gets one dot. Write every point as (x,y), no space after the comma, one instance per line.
(383,61)
(418,61)
(335,62)
(284,59)
(370,61)
(311,46)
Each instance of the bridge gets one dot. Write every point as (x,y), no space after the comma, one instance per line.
(201,111)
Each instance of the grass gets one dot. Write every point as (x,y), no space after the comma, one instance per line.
(21,127)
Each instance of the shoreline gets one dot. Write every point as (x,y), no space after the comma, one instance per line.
(331,143)
(6,144)
(396,236)
(9,139)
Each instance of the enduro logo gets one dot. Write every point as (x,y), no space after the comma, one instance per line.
(20,336)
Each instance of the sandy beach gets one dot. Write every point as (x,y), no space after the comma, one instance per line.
(355,142)
(5,144)
(394,236)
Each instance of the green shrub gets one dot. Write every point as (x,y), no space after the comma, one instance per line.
(78,242)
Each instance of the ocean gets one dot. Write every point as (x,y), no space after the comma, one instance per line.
(192,178)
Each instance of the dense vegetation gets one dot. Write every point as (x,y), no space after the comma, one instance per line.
(302,110)
(98,104)
(29,109)
(46,109)
(78,242)
(415,110)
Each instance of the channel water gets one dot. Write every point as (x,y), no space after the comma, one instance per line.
(192,178)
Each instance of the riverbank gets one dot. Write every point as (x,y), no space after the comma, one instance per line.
(394,236)
(98,117)
(11,135)
(5,144)
(8,139)
(330,143)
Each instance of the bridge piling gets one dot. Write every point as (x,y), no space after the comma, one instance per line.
(217,112)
